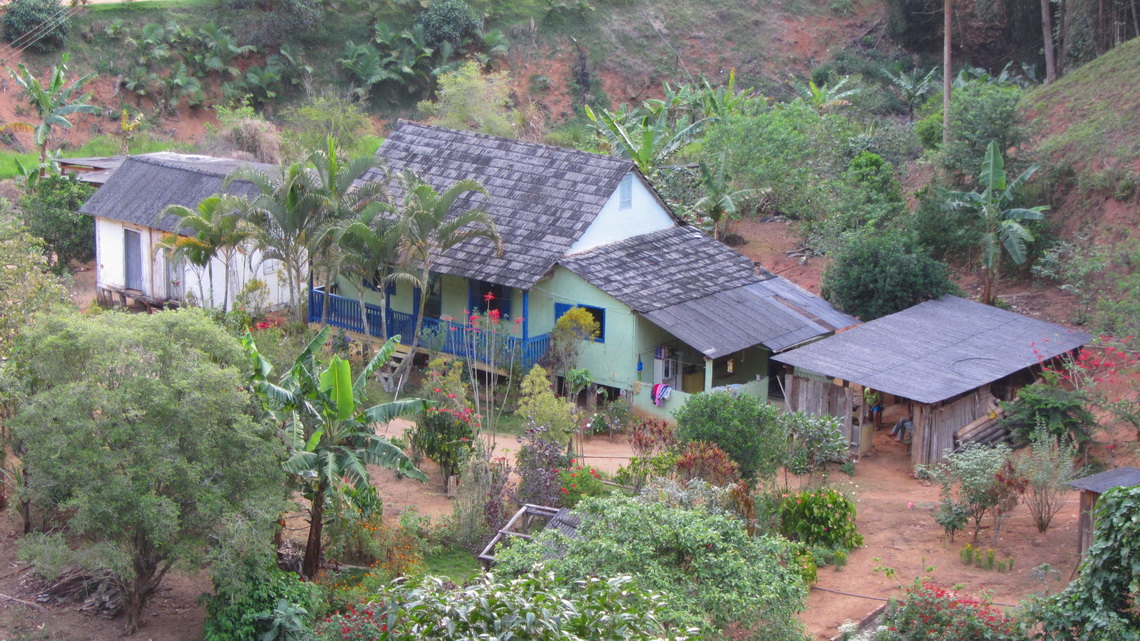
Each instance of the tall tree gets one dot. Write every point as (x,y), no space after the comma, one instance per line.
(1047,33)
(1003,232)
(330,433)
(429,229)
(947,79)
(342,193)
(140,441)
(52,102)
(218,230)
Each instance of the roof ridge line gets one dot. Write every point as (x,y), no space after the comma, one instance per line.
(514,141)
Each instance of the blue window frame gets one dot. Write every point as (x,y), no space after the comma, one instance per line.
(625,192)
(599,314)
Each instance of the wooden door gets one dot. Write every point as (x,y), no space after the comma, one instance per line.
(132,244)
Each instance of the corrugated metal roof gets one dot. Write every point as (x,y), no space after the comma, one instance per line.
(936,350)
(143,186)
(1105,481)
(542,197)
(735,319)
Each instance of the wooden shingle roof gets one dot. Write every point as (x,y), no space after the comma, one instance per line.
(704,293)
(542,198)
(662,268)
(936,350)
(143,186)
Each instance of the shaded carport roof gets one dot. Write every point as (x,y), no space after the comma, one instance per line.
(936,350)
(773,312)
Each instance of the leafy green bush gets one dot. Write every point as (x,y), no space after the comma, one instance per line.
(444,436)
(21,17)
(876,274)
(51,212)
(706,565)
(814,440)
(982,112)
(929,130)
(1062,413)
(532,606)
(447,21)
(820,517)
(747,429)
(578,482)
(968,481)
(248,611)
(947,233)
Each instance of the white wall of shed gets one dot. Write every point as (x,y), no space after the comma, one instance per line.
(110,261)
(613,223)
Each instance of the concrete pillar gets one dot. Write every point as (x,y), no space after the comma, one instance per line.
(708,374)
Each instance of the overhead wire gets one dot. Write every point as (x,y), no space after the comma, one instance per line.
(37,33)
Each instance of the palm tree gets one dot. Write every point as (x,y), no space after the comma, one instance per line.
(218,230)
(370,246)
(53,103)
(343,193)
(720,203)
(428,230)
(1002,227)
(286,218)
(330,434)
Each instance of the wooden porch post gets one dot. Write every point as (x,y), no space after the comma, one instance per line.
(526,315)
(708,374)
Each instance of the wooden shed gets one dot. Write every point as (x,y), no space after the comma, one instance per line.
(1091,488)
(952,359)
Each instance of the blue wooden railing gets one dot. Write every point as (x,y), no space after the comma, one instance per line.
(450,338)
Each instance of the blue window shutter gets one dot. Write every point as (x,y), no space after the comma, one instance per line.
(560,309)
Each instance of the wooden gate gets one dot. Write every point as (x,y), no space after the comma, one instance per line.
(813,396)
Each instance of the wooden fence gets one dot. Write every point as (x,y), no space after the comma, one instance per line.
(813,396)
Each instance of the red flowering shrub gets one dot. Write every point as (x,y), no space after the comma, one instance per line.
(706,461)
(929,612)
(577,482)
(353,625)
(444,436)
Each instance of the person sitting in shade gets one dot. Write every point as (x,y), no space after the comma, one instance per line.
(873,400)
(904,426)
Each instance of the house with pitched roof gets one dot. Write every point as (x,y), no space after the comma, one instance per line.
(680,313)
(127,209)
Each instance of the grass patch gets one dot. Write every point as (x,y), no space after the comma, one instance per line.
(98,146)
(1092,111)
(456,564)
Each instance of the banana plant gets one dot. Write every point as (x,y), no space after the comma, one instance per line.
(826,97)
(329,431)
(911,87)
(53,102)
(1003,232)
(649,142)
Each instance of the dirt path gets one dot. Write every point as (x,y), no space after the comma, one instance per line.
(899,533)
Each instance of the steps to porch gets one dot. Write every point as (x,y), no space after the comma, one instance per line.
(452,338)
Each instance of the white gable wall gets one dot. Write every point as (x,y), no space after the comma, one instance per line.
(110,262)
(613,223)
